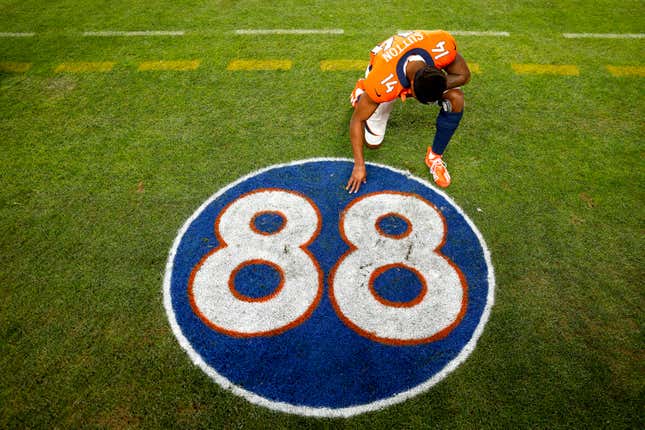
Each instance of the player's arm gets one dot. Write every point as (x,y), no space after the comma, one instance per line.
(364,108)
(457,72)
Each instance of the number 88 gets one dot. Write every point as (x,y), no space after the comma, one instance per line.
(431,316)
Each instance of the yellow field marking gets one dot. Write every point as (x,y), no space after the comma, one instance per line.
(546,69)
(169,65)
(343,65)
(236,65)
(620,71)
(83,67)
(360,65)
(14,67)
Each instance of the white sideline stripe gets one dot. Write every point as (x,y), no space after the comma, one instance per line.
(132,33)
(471,33)
(603,35)
(480,33)
(17,34)
(297,31)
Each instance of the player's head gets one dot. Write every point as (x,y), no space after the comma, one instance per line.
(429,84)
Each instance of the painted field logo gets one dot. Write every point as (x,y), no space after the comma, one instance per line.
(303,298)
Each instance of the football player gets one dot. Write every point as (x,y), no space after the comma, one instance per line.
(420,64)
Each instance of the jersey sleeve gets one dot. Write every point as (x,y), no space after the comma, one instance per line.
(382,84)
(379,92)
(443,48)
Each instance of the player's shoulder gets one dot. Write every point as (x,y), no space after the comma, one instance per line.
(435,36)
(382,93)
(382,84)
(441,46)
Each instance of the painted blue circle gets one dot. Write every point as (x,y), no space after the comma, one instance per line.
(393,225)
(269,222)
(256,281)
(398,285)
(321,366)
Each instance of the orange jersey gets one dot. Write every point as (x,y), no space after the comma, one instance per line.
(385,78)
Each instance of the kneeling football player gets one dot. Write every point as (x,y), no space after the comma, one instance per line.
(420,64)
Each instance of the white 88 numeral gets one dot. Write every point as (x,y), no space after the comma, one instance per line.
(210,290)
(440,305)
(436,311)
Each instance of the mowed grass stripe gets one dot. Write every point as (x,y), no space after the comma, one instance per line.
(14,67)
(244,65)
(85,67)
(622,71)
(546,69)
(169,65)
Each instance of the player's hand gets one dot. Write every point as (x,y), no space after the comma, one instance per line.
(359,177)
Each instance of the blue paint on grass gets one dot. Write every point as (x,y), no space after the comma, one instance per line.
(398,285)
(257,281)
(322,362)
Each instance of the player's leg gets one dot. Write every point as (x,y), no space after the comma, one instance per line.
(452,110)
(377,123)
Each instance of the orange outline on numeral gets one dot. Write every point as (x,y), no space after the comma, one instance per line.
(222,244)
(352,248)
(409,304)
(244,297)
(265,233)
(403,235)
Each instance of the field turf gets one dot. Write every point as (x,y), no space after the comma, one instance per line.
(99,169)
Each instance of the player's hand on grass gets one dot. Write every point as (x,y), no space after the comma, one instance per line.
(359,177)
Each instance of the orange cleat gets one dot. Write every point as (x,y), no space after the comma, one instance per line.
(438,169)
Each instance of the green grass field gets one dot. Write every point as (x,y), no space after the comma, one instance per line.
(98,171)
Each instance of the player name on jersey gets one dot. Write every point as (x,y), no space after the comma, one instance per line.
(397,48)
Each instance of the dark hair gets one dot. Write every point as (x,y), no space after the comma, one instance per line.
(429,84)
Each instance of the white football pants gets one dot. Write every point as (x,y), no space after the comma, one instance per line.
(377,123)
